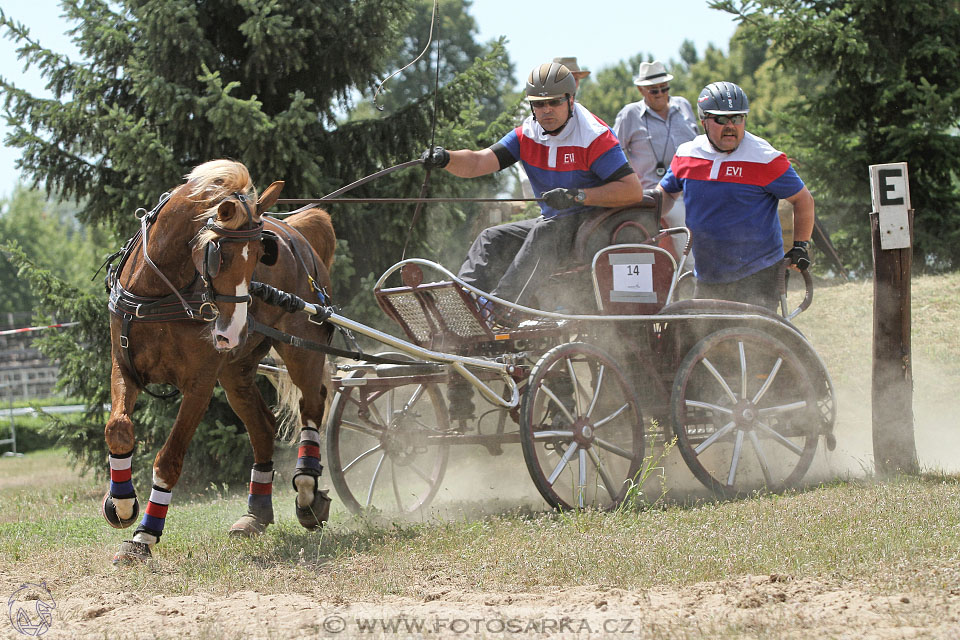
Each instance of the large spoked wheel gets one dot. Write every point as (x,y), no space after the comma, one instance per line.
(581,428)
(744,413)
(379,452)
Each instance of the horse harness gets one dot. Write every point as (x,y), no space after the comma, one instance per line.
(192,302)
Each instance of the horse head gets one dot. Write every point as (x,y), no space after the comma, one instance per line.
(229,245)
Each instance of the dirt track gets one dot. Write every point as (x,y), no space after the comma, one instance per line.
(753,606)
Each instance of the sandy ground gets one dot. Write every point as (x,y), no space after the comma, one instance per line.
(750,607)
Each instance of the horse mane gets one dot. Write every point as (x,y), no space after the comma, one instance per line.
(213,181)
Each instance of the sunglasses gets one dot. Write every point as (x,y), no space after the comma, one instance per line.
(721,120)
(554,103)
(655,91)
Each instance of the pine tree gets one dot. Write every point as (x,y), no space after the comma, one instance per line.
(165,85)
(888,74)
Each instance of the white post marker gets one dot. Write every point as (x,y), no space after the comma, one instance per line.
(890,193)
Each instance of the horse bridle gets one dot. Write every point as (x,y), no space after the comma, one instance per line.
(212,259)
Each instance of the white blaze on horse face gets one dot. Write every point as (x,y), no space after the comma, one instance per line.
(229,337)
(226,338)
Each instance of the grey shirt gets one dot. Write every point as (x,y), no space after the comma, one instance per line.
(647,138)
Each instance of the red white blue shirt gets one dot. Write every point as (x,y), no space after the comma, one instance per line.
(585,154)
(731,201)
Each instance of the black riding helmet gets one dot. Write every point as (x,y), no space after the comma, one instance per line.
(722,99)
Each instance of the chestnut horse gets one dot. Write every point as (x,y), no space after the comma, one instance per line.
(179,301)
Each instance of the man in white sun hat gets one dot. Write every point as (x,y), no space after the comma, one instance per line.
(732,182)
(651,129)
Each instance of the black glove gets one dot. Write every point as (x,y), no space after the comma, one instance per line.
(799,256)
(560,198)
(436,158)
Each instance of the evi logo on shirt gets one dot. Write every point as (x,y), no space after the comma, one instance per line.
(569,158)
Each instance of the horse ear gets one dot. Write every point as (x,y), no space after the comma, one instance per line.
(269,196)
(271,248)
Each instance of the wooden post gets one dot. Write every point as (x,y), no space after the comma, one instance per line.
(891,223)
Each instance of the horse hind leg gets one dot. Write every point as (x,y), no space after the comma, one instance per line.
(239,383)
(312,504)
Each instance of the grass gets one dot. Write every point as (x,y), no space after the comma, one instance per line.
(900,535)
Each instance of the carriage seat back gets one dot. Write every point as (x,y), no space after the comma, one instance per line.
(633,279)
(632,224)
(435,314)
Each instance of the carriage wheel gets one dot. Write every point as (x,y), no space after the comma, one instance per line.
(744,412)
(377,449)
(581,428)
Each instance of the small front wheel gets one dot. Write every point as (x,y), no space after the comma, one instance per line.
(581,428)
(380,448)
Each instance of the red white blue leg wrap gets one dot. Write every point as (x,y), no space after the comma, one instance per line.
(121,485)
(308,457)
(154,516)
(260,500)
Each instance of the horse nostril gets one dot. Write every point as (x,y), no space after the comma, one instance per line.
(222,340)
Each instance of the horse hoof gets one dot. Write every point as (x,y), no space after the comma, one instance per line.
(248,526)
(109,512)
(314,516)
(131,553)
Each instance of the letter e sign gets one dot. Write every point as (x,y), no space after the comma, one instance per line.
(890,192)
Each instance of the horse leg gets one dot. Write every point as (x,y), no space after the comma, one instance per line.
(306,371)
(246,401)
(119,506)
(166,471)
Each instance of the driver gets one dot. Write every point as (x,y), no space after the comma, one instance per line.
(574,162)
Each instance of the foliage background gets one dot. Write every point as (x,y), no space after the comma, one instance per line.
(285,87)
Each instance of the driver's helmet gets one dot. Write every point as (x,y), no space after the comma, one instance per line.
(722,99)
(550,80)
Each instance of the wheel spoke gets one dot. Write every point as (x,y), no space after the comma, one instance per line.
(782,440)
(563,463)
(373,480)
(423,475)
(550,394)
(396,489)
(783,408)
(542,435)
(764,466)
(607,482)
(743,369)
(575,382)
(723,383)
(735,459)
(716,435)
(612,448)
(600,423)
(362,428)
(768,381)
(698,404)
(360,457)
(582,485)
(414,397)
(596,391)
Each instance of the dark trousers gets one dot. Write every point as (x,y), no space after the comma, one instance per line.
(758,288)
(514,260)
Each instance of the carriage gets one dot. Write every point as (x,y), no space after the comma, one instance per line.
(587,395)
(211,283)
